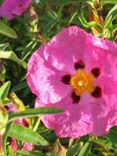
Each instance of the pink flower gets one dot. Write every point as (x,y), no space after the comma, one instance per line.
(76,72)
(12,8)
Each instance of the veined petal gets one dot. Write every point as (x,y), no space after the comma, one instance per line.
(74,122)
(107,83)
(104,114)
(44,80)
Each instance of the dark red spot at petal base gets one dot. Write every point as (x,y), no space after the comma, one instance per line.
(75,98)
(66,79)
(20,5)
(97,92)
(95,71)
(79,65)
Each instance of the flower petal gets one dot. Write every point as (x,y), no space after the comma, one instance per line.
(104,113)
(10,8)
(65,48)
(74,122)
(44,80)
(104,44)
(107,83)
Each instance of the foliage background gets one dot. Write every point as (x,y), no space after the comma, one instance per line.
(45,19)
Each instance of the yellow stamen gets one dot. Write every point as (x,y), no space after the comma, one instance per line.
(82,82)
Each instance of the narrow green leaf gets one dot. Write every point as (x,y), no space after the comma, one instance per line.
(6,30)
(85,149)
(73,150)
(31,153)
(72,18)
(103,2)
(64,2)
(33,112)
(19,86)
(89,24)
(4,89)
(12,56)
(4,139)
(111,16)
(27,135)
(4,46)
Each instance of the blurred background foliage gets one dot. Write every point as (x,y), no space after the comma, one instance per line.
(22,36)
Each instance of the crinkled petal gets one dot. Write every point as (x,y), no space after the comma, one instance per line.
(67,47)
(74,122)
(104,114)
(109,46)
(44,80)
(107,83)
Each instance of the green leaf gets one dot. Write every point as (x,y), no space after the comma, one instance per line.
(63,2)
(89,24)
(1,1)
(4,46)
(30,153)
(6,30)
(6,101)
(4,139)
(85,149)
(19,86)
(12,56)
(113,136)
(33,112)
(103,2)
(73,150)
(27,135)
(104,141)
(4,89)
(111,16)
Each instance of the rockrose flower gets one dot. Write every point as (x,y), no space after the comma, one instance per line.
(12,8)
(76,72)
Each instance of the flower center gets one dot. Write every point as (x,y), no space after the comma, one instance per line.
(82,82)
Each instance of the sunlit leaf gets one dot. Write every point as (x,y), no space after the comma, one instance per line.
(34,112)
(73,150)
(4,89)
(12,56)
(111,16)
(25,134)
(85,149)
(6,30)
(103,2)
(31,153)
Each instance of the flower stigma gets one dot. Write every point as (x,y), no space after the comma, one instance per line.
(82,82)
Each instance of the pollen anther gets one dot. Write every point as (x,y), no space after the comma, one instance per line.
(82,82)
